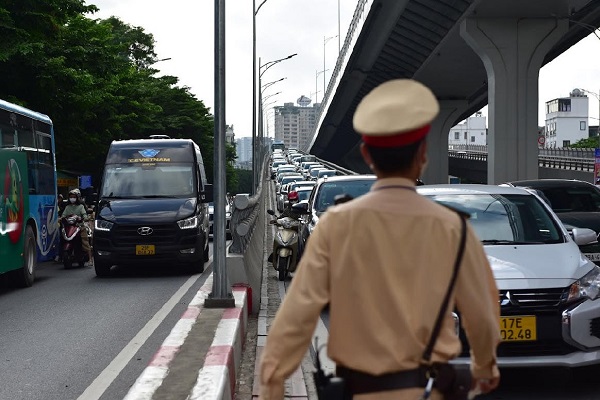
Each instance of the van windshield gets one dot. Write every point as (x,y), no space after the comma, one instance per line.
(139,180)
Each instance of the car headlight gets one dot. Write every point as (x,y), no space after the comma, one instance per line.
(103,225)
(587,286)
(227,215)
(188,223)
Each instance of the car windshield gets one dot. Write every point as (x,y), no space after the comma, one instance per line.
(505,219)
(328,191)
(139,180)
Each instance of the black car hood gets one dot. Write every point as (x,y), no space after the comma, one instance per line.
(586,219)
(156,211)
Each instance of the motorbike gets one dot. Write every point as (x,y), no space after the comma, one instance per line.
(72,249)
(285,244)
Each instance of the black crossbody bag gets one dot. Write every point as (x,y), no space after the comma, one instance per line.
(453,381)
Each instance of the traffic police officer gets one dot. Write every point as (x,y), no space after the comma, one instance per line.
(383,263)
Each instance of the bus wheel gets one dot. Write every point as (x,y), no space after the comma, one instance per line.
(24,276)
(102,269)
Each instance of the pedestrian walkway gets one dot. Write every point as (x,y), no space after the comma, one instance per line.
(272,291)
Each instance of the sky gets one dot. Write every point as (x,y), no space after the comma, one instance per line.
(183,31)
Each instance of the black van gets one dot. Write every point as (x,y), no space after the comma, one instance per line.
(152,205)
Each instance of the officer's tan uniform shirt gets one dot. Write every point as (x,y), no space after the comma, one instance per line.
(384,262)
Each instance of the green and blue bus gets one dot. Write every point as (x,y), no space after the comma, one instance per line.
(28,193)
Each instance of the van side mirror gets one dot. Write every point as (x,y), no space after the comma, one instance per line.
(206,196)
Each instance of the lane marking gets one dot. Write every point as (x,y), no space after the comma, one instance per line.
(112,371)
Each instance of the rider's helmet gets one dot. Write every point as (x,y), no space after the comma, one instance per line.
(76,193)
(293,197)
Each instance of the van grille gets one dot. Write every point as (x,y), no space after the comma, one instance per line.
(127,235)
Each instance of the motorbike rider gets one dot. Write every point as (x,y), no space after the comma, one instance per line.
(76,207)
(287,212)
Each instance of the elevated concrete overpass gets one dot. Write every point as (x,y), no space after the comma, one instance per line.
(470,53)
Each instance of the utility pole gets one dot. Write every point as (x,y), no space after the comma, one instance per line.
(221,295)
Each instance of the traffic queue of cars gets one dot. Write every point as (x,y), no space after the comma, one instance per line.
(541,239)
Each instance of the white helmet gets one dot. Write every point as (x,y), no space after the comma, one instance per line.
(76,192)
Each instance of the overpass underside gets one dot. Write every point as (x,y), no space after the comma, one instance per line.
(470,53)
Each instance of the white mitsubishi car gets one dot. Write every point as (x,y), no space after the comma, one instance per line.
(548,291)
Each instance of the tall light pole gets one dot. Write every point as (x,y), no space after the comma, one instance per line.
(266,85)
(262,68)
(338,35)
(221,295)
(325,40)
(254,166)
(317,73)
(597,96)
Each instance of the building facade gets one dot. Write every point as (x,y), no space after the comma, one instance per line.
(294,123)
(243,148)
(566,120)
(471,131)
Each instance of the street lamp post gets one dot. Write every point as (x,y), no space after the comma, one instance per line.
(317,73)
(325,40)
(254,166)
(262,68)
(597,96)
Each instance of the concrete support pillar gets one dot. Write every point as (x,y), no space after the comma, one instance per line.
(437,141)
(512,50)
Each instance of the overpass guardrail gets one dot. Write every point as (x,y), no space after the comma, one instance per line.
(560,158)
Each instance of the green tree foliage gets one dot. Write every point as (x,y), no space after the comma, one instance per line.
(587,143)
(244,184)
(95,79)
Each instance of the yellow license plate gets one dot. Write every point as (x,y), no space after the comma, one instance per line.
(144,250)
(518,328)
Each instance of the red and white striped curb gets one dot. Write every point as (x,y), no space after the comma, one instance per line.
(225,352)
(217,378)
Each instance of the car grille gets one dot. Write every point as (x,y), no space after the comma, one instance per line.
(127,235)
(538,299)
(547,305)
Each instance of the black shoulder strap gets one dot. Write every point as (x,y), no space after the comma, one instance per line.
(438,322)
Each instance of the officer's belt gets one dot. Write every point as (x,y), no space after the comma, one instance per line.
(358,382)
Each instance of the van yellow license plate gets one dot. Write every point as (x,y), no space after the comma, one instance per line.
(144,250)
(518,328)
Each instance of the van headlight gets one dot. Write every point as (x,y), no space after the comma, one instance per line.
(188,223)
(103,225)
(587,286)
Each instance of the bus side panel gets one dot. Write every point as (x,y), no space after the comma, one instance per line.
(14,206)
(43,210)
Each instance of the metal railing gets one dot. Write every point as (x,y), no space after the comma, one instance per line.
(561,158)
(245,215)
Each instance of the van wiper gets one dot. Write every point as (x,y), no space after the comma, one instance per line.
(158,196)
(497,241)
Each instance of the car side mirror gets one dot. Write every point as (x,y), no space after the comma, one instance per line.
(300,208)
(206,196)
(583,236)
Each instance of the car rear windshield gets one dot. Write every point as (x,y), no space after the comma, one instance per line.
(507,218)
(328,190)
(572,199)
